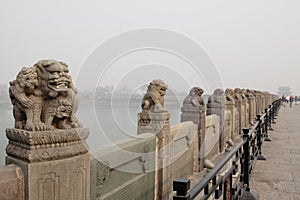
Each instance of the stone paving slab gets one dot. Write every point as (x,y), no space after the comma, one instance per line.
(279,176)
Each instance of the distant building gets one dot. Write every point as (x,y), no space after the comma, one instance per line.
(284,90)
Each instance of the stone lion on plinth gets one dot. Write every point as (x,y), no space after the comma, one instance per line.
(154,98)
(194,97)
(44,98)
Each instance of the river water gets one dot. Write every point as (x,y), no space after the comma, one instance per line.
(106,124)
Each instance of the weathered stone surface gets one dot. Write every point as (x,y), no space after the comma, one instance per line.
(244,107)
(216,105)
(239,107)
(227,128)
(36,146)
(155,119)
(231,107)
(48,142)
(153,100)
(44,97)
(149,122)
(183,150)
(211,147)
(236,128)
(125,170)
(59,179)
(251,102)
(194,110)
(11,183)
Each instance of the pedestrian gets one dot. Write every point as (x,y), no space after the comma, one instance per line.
(287,99)
(283,100)
(291,101)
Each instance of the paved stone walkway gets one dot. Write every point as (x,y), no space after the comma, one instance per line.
(279,176)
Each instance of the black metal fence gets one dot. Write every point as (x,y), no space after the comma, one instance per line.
(243,157)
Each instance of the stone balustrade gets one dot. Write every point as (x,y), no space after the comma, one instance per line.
(56,163)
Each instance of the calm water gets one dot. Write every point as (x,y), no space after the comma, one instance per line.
(106,124)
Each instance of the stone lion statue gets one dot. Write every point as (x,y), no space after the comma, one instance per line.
(216,103)
(44,97)
(61,100)
(194,97)
(154,98)
(229,95)
(27,100)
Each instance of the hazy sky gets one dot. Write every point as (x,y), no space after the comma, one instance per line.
(253,44)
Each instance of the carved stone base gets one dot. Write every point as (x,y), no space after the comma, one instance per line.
(55,163)
(11,183)
(197,116)
(59,179)
(37,146)
(151,122)
(158,123)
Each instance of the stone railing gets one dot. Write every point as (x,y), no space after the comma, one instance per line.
(56,163)
(230,177)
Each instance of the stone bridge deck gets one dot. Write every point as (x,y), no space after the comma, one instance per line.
(279,176)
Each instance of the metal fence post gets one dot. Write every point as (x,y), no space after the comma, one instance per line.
(181,186)
(259,139)
(266,123)
(246,165)
(273,112)
(246,162)
(270,115)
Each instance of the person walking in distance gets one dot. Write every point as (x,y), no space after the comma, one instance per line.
(283,100)
(287,99)
(291,100)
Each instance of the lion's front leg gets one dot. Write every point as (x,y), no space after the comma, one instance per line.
(29,121)
(19,116)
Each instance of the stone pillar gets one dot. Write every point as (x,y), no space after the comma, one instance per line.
(55,163)
(216,105)
(231,106)
(245,106)
(238,105)
(251,103)
(257,101)
(11,183)
(158,123)
(254,104)
(264,103)
(155,119)
(260,103)
(48,142)
(194,110)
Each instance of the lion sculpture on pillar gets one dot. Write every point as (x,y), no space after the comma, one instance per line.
(44,97)
(154,98)
(194,98)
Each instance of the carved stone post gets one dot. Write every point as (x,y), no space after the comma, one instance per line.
(11,182)
(155,119)
(264,103)
(254,104)
(238,105)
(257,102)
(48,142)
(194,110)
(230,105)
(251,103)
(246,108)
(216,105)
(55,164)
